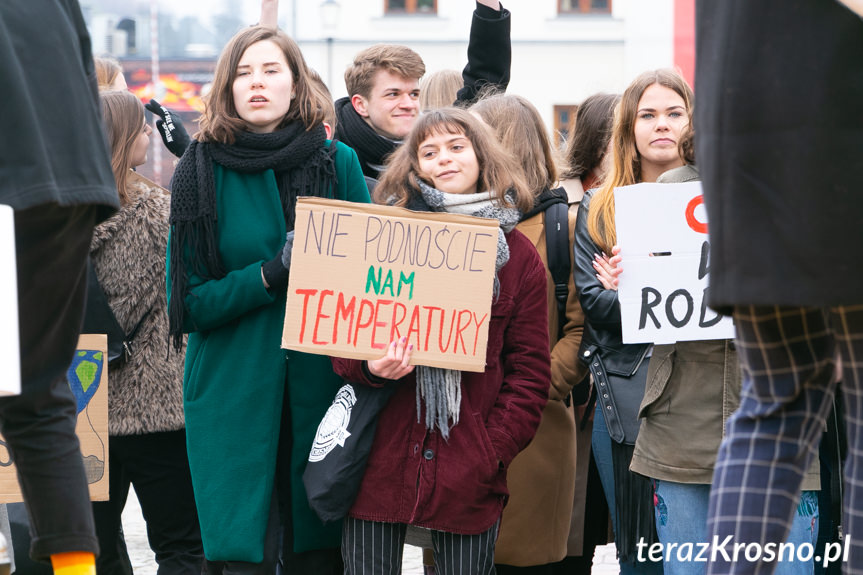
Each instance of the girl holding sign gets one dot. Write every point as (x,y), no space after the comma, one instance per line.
(692,388)
(648,123)
(252,408)
(446,438)
(688,388)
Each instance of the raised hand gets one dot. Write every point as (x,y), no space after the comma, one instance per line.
(171,128)
(269,14)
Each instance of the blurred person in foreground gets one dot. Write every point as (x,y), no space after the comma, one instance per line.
(782,165)
(57,177)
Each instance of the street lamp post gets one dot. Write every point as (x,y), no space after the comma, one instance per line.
(330,10)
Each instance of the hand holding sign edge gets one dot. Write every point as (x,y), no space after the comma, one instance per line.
(608,268)
(395,364)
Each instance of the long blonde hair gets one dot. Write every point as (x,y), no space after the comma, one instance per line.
(498,172)
(522,132)
(122,120)
(626,162)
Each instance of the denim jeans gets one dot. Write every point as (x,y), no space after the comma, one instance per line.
(600,442)
(681,517)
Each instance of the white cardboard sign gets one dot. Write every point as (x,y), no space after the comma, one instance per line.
(10,358)
(662,234)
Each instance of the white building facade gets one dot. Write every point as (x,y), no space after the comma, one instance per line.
(560,54)
(562,50)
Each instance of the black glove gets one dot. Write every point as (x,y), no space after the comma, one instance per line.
(170,128)
(276,270)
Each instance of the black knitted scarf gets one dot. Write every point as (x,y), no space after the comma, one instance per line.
(371,147)
(303,166)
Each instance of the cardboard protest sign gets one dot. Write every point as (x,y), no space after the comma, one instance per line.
(10,358)
(662,234)
(88,377)
(363,275)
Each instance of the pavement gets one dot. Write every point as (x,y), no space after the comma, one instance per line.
(135,531)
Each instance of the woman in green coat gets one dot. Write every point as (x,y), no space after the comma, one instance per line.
(252,408)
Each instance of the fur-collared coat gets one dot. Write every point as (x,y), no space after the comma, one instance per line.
(145,394)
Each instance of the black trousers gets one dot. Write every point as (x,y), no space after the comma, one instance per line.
(157,466)
(51,246)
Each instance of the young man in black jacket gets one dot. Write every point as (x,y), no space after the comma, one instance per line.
(383,87)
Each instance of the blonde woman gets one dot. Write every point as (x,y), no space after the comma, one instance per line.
(649,121)
(437,463)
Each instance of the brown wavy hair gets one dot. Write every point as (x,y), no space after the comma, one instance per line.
(498,171)
(626,165)
(220,120)
(590,134)
(122,121)
(325,98)
(520,129)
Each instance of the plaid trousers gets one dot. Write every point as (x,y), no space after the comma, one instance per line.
(788,356)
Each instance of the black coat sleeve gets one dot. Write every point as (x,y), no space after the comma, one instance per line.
(489,53)
(601,306)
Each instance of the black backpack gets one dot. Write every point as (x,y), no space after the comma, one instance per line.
(557,251)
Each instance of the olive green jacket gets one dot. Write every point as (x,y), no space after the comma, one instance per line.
(692,387)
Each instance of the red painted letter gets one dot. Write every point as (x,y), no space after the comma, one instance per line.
(308,293)
(318,317)
(698,227)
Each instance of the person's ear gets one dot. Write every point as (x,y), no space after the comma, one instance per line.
(360,105)
(329,130)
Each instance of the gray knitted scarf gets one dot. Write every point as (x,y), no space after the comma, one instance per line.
(440,388)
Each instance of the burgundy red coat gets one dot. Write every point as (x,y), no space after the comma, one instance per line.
(414,476)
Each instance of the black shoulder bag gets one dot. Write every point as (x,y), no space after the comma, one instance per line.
(99,318)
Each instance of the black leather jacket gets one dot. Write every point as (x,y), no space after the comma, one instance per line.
(601,307)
